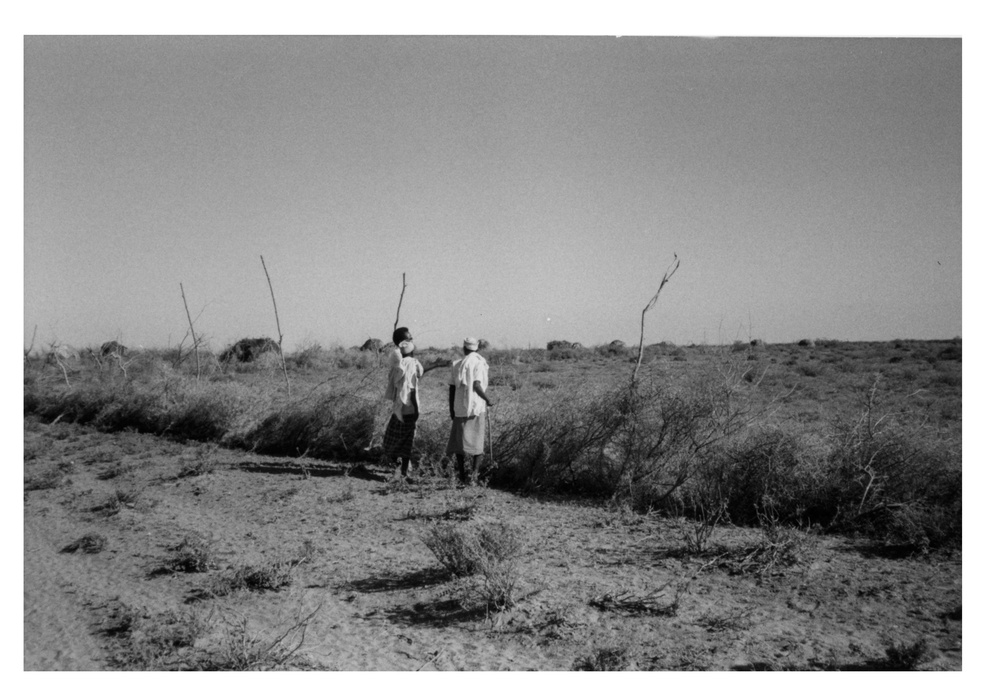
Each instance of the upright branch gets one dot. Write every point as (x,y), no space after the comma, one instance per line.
(281,352)
(197,358)
(32,345)
(652,301)
(396,324)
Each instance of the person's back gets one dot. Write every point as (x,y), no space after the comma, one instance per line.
(467,403)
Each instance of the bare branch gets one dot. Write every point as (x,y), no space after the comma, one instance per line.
(32,345)
(675,265)
(197,358)
(281,351)
(396,324)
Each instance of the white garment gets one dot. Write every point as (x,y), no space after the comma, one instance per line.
(395,356)
(405,378)
(464,373)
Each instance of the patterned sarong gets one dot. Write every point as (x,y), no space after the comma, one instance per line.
(398,439)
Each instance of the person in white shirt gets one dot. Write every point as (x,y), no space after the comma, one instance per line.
(403,390)
(467,403)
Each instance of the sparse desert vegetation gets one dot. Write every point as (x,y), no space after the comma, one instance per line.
(814,488)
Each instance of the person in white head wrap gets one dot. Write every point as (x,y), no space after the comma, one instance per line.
(467,403)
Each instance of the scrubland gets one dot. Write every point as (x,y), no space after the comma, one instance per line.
(735,507)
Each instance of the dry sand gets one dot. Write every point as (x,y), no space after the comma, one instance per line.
(385,603)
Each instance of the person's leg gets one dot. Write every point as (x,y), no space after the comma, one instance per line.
(477,462)
(460,467)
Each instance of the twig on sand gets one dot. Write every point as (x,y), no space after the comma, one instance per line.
(433,658)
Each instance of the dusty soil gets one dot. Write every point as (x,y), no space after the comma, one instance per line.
(599,587)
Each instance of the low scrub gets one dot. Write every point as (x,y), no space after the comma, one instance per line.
(90,543)
(487,550)
(333,425)
(193,554)
(896,483)
(269,575)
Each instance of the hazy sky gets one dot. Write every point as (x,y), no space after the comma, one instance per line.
(530,188)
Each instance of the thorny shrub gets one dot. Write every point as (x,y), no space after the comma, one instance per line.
(895,482)
(486,549)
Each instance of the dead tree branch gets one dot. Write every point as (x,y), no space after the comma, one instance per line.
(281,352)
(675,265)
(396,324)
(197,358)
(32,345)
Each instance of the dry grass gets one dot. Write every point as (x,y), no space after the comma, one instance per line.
(758,426)
(89,543)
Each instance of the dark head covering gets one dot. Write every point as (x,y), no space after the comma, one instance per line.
(399,335)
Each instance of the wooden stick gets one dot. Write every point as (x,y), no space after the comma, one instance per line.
(32,345)
(281,352)
(396,324)
(642,327)
(197,358)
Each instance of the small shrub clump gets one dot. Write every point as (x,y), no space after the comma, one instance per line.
(606,659)
(272,575)
(191,555)
(90,543)
(487,549)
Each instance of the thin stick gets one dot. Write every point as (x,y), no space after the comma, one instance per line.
(396,324)
(281,352)
(489,430)
(197,358)
(32,345)
(433,658)
(642,328)
(65,374)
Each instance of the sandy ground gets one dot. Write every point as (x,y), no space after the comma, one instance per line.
(381,601)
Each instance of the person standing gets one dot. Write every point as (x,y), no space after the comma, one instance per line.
(401,334)
(467,403)
(403,390)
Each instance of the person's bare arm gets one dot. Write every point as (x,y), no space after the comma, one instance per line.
(451,400)
(437,363)
(478,388)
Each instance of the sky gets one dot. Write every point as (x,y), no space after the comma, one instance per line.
(530,187)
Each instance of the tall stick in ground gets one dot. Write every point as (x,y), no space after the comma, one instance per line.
(281,352)
(642,327)
(197,358)
(32,345)
(396,324)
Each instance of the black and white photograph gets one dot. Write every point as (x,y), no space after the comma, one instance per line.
(493,351)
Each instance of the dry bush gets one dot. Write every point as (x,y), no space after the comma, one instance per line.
(46,480)
(779,547)
(607,659)
(244,650)
(642,441)
(193,554)
(268,575)
(116,470)
(894,482)
(906,656)
(486,549)
(158,642)
(121,499)
(328,425)
(645,602)
(89,543)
